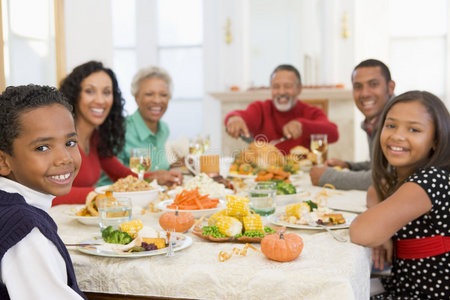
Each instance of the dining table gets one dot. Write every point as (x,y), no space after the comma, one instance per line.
(326,268)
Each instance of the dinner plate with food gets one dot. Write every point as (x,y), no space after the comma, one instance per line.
(309,215)
(79,213)
(133,240)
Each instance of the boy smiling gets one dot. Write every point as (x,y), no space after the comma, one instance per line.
(39,160)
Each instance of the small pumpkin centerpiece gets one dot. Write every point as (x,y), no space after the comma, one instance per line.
(180,221)
(282,246)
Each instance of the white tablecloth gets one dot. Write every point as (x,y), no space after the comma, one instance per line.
(326,269)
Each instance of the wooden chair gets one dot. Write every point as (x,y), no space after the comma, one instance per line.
(320,103)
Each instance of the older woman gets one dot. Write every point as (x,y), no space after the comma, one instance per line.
(93,91)
(152,90)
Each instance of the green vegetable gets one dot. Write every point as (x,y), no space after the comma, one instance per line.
(112,236)
(250,234)
(212,231)
(285,188)
(311,205)
(268,229)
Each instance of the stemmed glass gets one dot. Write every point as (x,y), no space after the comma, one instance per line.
(140,161)
(206,142)
(319,145)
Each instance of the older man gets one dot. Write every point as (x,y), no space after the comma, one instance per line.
(283,116)
(372,89)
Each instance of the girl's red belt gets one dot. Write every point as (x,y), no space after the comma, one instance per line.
(423,247)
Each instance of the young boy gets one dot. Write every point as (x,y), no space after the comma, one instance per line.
(39,160)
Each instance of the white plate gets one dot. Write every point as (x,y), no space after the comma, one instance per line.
(292,198)
(181,243)
(92,221)
(242,176)
(173,193)
(197,213)
(71,213)
(275,219)
(355,204)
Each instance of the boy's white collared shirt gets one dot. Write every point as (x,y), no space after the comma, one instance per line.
(34,268)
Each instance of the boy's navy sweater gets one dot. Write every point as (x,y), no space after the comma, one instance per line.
(17,219)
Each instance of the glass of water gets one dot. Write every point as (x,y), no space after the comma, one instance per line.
(262,198)
(113,211)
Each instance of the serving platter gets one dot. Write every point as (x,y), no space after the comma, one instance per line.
(197,213)
(197,230)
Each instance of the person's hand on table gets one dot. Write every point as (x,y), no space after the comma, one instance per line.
(293,129)
(315,173)
(236,126)
(334,162)
(382,254)
(169,178)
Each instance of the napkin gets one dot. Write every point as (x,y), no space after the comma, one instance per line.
(177,149)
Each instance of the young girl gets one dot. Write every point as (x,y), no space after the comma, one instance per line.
(93,91)
(411,177)
(39,159)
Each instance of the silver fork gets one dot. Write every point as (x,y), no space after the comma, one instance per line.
(336,236)
(170,251)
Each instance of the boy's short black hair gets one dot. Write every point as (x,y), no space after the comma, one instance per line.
(16,100)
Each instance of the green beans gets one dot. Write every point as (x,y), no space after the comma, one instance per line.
(268,229)
(212,231)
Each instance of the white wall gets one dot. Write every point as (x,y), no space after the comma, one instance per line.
(88,32)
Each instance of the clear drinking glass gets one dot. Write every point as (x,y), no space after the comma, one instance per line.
(319,145)
(140,161)
(262,198)
(113,211)
(206,142)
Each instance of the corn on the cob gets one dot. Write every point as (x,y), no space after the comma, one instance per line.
(229,226)
(253,222)
(237,206)
(213,219)
(297,209)
(132,227)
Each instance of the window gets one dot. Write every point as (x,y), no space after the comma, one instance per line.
(174,42)
(30,48)
(418,36)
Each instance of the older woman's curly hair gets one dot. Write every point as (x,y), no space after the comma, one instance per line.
(15,101)
(112,131)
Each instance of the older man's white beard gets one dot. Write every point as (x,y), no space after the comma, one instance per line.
(283,106)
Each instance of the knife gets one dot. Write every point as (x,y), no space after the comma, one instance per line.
(276,142)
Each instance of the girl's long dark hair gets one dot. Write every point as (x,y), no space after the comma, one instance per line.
(384,176)
(112,131)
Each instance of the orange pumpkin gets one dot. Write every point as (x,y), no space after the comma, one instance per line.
(282,246)
(176,220)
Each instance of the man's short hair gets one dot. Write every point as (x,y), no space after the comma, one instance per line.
(374,63)
(290,68)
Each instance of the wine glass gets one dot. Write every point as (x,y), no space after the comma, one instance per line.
(319,145)
(206,141)
(195,147)
(140,161)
